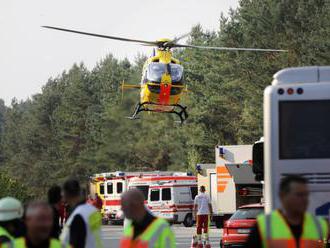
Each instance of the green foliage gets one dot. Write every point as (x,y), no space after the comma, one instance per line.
(76,126)
(14,188)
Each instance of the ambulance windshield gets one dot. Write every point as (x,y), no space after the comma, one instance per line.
(304,129)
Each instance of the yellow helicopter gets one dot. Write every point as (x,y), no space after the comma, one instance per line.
(162,83)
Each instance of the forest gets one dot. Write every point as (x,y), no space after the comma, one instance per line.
(77,125)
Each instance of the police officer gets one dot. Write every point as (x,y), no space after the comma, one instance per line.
(39,223)
(144,230)
(11,212)
(83,227)
(291,226)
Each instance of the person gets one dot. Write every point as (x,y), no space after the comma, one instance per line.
(62,213)
(11,213)
(83,227)
(39,223)
(291,225)
(90,200)
(98,202)
(202,212)
(54,200)
(143,229)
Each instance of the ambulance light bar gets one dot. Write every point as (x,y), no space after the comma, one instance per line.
(120,173)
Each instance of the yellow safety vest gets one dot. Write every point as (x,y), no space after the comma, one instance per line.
(275,232)
(21,243)
(5,233)
(157,235)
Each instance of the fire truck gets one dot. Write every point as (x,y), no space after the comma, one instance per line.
(170,195)
(230,182)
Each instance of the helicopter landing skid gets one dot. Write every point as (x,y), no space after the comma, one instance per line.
(178,109)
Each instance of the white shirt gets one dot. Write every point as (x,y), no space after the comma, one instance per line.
(93,221)
(202,201)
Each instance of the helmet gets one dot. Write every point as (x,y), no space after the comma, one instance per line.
(10,209)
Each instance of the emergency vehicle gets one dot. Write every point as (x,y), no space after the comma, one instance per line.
(297,134)
(110,186)
(96,185)
(111,189)
(230,182)
(169,196)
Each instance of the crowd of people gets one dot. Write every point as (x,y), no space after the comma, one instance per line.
(65,220)
(68,219)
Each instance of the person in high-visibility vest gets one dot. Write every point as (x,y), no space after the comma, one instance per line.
(144,230)
(11,213)
(291,226)
(83,227)
(39,223)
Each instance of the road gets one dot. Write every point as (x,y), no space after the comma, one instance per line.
(112,234)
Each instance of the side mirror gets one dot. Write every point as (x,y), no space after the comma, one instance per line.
(258,160)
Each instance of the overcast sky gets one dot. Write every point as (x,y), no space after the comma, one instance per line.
(29,55)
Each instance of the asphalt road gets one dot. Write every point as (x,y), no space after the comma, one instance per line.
(112,234)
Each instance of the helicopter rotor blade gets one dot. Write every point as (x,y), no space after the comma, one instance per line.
(152,43)
(230,48)
(176,39)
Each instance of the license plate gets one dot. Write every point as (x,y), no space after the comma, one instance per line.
(244,231)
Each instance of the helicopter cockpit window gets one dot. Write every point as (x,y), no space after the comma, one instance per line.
(176,73)
(155,72)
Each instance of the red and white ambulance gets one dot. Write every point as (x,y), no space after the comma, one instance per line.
(169,196)
(111,190)
(117,183)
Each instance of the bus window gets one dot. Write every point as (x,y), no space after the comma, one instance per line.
(304,129)
(119,187)
(166,194)
(110,188)
(154,195)
(101,188)
(194,192)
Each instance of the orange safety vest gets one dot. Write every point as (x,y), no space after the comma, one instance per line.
(275,232)
(158,234)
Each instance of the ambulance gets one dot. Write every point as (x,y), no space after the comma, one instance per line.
(169,196)
(111,189)
(96,185)
(230,182)
(114,185)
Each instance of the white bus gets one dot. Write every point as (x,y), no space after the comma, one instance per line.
(297,133)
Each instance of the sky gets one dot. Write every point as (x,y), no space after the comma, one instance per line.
(30,55)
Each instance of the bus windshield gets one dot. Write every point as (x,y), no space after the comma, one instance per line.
(304,129)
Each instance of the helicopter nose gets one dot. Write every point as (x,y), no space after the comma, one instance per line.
(164,94)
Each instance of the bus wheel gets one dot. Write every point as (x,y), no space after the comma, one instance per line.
(188,221)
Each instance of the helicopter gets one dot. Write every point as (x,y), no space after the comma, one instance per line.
(162,84)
